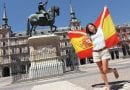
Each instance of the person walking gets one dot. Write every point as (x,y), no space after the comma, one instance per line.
(114,52)
(125,45)
(100,53)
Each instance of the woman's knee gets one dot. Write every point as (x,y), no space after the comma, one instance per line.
(105,71)
(101,71)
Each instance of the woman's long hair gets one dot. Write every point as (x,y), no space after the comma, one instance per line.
(87,29)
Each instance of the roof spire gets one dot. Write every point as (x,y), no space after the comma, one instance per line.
(5,18)
(74,23)
(72,13)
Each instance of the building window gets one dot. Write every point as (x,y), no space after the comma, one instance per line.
(65,43)
(23,69)
(4,52)
(13,51)
(20,50)
(3,44)
(64,36)
(3,35)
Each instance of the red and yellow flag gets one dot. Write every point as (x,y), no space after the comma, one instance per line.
(82,43)
(104,21)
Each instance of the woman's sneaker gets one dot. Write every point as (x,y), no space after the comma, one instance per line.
(116,74)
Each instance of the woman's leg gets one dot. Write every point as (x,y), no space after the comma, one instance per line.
(103,70)
(106,69)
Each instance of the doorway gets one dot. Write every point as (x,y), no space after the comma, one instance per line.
(6,72)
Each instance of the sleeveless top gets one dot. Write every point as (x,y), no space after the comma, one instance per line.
(98,40)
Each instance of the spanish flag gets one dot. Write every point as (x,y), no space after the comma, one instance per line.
(104,21)
(81,41)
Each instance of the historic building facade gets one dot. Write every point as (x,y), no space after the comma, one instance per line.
(14,50)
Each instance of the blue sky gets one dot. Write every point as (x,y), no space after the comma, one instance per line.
(86,11)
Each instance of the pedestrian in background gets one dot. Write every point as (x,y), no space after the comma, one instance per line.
(124,44)
(114,52)
(101,54)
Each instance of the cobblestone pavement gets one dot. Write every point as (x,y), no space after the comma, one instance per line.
(87,78)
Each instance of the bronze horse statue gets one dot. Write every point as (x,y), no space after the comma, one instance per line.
(42,18)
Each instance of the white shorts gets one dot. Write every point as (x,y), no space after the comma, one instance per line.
(101,55)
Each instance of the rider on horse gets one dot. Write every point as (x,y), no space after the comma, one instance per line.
(42,18)
(41,9)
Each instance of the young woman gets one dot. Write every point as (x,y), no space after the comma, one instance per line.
(100,53)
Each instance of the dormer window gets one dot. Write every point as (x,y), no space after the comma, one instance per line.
(20,34)
(42,32)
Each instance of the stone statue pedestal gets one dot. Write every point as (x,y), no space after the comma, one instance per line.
(45,56)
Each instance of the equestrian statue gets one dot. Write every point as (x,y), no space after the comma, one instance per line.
(42,18)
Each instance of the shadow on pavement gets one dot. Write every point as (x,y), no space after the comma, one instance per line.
(114,85)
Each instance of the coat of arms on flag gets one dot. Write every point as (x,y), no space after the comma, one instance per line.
(81,43)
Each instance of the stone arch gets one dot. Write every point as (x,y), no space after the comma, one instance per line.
(6,72)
